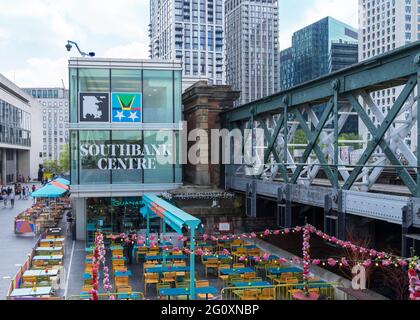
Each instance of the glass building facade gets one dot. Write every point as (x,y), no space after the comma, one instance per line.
(315,51)
(15,125)
(124,137)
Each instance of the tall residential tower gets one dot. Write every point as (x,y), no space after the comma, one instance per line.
(383,26)
(190,31)
(252,63)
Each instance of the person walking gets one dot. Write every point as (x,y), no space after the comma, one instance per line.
(12,200)
(9,190)
(26,192)
(5,198)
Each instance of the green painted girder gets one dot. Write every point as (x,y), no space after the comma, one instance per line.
(383,71)
(270,149)
(402,172)
(312,137)
(380,132)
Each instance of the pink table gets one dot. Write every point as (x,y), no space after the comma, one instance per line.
(300,295)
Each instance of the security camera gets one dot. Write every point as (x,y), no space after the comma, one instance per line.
(91,54)
(68,46)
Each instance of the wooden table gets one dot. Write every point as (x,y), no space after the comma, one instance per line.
(40,273)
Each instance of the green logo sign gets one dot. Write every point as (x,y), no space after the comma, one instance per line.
(125,202)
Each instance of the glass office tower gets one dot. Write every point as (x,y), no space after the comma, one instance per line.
(124,138)
(320,48)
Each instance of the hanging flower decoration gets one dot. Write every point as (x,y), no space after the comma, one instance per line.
(413,279)
(306,257)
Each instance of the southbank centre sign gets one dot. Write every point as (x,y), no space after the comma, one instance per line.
(127,156)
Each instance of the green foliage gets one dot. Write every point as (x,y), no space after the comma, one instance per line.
(65,159)
(348,137)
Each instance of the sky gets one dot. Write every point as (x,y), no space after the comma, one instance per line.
(33,33)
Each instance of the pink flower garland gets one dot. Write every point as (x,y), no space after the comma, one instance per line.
(306,255)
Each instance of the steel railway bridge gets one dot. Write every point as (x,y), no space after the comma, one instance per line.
(318,177)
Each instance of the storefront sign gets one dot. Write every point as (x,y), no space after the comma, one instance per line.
(125,202)
(126,156)
(94,107)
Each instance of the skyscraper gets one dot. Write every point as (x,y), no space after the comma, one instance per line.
(191,31)
(320,48)
(251,32)
(55,119)
(383,26)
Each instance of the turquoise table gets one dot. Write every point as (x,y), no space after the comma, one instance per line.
(168,257)
(236,271)
(166,269)
(284,270)
(121,258)
(220,256)
(40,273)
(54,257)
(122,273)
(252,284)
(49,249)
(186,291)
(315,284)
(31,292)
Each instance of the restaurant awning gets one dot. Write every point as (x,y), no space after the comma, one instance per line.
(172,216)
(49,191)
(60,185)
(63,181)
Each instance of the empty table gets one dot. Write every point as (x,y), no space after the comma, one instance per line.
(236,271)
(31,292)
(252,284)
(186,291)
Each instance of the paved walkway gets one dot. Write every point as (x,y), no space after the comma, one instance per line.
(13,248)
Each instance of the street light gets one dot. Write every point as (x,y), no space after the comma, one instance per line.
(83,54)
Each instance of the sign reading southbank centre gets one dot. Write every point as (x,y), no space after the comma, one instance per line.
(127,156)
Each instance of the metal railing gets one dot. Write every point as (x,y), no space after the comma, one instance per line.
(329,291)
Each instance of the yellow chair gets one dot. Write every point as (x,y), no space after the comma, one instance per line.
(292,280)
(150,278)
(169,277)
(212,263)
(250,294)
(267,294)
(283,277)
(223,277)
(203,284)
(29,281)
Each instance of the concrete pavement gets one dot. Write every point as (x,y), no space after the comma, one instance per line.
(13,248)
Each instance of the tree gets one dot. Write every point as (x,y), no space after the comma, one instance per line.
(65,159)
(52,166)
(350,137)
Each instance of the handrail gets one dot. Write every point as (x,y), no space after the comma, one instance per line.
(282,291)
(103,295)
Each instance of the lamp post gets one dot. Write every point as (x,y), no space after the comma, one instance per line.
(70,44)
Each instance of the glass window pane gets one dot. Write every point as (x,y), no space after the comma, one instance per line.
(74,157)
(125,80)
(94,157)
(158,96)
(73,95)
(131,172)
(158,151)
(94,80)
(178,95)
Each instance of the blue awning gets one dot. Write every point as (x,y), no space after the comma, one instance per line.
(172,216)
(49,191)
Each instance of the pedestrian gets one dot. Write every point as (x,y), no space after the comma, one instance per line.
(27,192)
(9,190)
(5,198)
(12,200)
(19,191)
(33,188)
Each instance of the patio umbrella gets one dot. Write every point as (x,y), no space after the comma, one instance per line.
(60,185)
(63,181)
(49,191)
